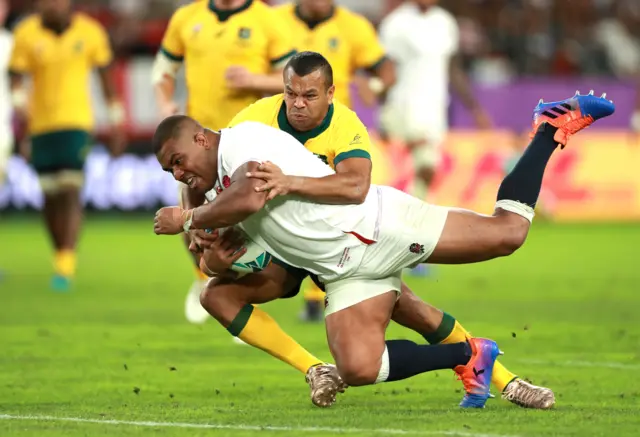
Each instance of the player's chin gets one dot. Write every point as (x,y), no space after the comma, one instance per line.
(201,186)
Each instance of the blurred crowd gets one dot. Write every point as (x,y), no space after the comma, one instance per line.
(499,38)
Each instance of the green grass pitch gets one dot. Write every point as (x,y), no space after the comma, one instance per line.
(117,353)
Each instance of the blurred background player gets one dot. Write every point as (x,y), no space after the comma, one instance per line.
(58,49)
(6,130)
(422,39)
(350,44)
(233,52)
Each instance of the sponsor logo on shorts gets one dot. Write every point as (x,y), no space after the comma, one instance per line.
(326,302)
(416,248)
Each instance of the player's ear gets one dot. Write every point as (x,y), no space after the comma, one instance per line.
(330,92)
(201,140)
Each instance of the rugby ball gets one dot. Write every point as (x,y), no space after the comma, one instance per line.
(254,260)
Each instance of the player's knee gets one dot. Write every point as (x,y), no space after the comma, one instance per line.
(357,372)
(213,299)
(514,236)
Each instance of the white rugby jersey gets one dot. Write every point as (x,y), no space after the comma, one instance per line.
(421,45)
(322,239)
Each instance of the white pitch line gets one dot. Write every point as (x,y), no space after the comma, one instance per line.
(578,363)
(240,427)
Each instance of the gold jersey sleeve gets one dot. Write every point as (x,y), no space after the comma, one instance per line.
(351,139)
(172,45)
(100,53)
(366,50)
(21,60)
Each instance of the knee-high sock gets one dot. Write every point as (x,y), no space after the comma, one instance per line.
(258,329)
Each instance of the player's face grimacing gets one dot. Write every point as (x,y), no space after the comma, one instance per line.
(187,159)
(307,99)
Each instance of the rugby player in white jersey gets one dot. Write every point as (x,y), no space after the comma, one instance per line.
(359,251)
(422,39)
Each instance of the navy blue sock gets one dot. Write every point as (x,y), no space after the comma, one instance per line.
(525,180)
(407,359)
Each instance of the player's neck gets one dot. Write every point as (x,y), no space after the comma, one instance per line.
(214,140)
(57,26)
(225,5)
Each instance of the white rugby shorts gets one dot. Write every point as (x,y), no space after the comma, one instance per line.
(407,232)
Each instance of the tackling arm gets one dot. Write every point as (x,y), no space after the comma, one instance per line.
(349,185)
(234,204)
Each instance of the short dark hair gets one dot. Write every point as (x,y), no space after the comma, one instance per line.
(304,63)
(168,129)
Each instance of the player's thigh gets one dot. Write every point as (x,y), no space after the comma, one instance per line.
(267,285)
(59,157)
(408,231)
(357,314)
(469,237)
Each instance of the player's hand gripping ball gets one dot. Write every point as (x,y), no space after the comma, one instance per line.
(233,250)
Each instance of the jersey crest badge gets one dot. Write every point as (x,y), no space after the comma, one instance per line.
(226,181)
(356,140)
(244,33)
(333,44)
(416,248)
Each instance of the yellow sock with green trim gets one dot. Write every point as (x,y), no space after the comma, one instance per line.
(450,331)
(65,263)
(257,328)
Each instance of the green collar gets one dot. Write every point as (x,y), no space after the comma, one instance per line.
(224,15)
(313,23)
(303,137)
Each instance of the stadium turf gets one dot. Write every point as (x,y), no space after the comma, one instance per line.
(117,352)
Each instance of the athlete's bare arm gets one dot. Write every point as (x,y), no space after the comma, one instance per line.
(349,185)
(234,204)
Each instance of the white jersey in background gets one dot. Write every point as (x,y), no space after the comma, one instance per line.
(319,238)
(421,45)
(6,110)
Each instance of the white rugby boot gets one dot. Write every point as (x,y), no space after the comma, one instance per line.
(527,395)
(325,383)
